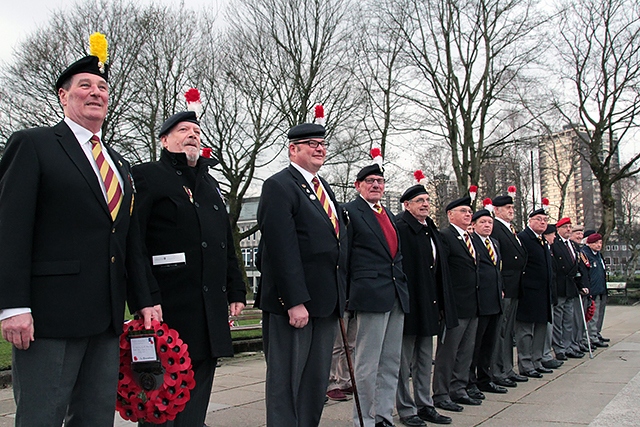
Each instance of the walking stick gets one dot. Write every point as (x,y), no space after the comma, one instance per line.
(351,373)
(586,328)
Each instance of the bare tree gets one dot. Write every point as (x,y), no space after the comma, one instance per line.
(600,51)
(469,57)
(628,228)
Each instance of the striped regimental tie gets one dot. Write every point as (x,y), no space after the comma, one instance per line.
(324,201)
(114,192)
(467,240)
(513,230)
(492,254)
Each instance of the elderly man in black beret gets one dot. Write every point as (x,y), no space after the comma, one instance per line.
(534,306)
(514,258)
(490,287)
(69,256)
(303,259)
(455,345)
(190,253)
(431,307)
(378,296)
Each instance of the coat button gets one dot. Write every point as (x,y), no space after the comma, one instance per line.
(174,162)
(205,288)
(204,244)
(113,260)
(215,207)
(113,230)
(178,173)
(222,245)
(196,204)
(224,289)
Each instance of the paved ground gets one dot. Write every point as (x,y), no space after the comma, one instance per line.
(600,392)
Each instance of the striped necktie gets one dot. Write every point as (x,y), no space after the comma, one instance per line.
(467,240)
(324,201)
(377,207)
(513,230)
(492,254)
(111,184)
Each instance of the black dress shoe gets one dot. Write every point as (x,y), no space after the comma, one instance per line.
(518,378)
(475,393)
(532,374)
(506,382)
(600,344)
(413,421)
(384,423)
(575,355)
(584,348)
(466,400)
(552,364)
(448,405)
(561,356)
(603,339)
(544,370)
(492,388)
(430,414)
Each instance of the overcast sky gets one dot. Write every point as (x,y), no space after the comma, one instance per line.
(20,17)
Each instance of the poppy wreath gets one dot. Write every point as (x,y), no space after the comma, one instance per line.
(161,405)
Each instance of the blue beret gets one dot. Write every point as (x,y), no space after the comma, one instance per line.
(185,116)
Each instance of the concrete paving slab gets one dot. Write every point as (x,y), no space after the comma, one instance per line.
(624,408)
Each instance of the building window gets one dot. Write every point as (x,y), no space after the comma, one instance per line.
(624,248)
(607,248)
(247,258)
(615,247)
(255,256)
(615,260)
(607,260)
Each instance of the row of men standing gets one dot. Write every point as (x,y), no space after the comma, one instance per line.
(398,281)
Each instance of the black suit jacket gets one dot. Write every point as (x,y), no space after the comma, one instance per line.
(514,258)
(194,295)
(302,261)
(60,252)
(375,277)
(429,284)
(489,278)
(535,303)
(464,272)
(567,275)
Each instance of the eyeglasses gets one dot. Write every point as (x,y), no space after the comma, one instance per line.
(370,181)
(314,143)
(420,201)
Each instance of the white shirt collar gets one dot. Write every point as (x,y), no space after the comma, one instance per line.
(308,176)
(83,135)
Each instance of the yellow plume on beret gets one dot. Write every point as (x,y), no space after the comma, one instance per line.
(98,46)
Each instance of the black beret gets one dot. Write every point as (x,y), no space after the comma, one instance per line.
(306,130)
(184,116)
(551,229)
(588,233)
(502,201)
(412,192)
(480,213)
(540,211)
(465,201)
(373,169)
(88,64)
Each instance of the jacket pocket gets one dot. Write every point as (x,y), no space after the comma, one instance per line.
(55,268)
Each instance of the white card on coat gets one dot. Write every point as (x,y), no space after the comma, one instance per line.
(179,258)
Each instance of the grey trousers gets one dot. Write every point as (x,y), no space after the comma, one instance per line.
(416,361)
(72,379)
(547,354)
(339,377)
(578,336)
(453,360)
(298,362)
(595,324)
(503,353)
(563,325)
(530,342)
(377,363)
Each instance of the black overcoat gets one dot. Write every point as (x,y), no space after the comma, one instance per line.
(535,302)
(181,211)
(489,278)
(429,284)
(567,274)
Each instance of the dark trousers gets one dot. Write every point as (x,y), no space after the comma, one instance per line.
(480,372)
(67,379)
(195,411)
(298,363)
